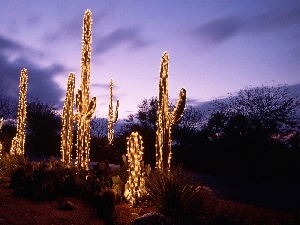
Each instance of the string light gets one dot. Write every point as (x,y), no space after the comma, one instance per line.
(0,150)
(111,118)
(85,107)
(67,121)
(136,182)
(18,141)
(165,118)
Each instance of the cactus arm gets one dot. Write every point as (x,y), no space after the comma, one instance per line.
(91,108)
(179,108)
(116,112)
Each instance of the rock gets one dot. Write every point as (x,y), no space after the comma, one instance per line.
(65,205)
(149,219)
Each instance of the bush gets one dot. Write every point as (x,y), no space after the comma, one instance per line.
(177,196)
(46,180)
(9,163)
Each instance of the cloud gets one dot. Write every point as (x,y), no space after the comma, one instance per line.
(40,83)
(129,36)
(6,44)
(98,85)
(223,28)
(218,30)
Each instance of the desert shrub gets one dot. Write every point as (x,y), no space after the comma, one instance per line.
(9,163)
(176,195)
(46,180)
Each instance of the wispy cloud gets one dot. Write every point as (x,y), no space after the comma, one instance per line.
(129,36)
(218,30)
(40,79)
(223,28)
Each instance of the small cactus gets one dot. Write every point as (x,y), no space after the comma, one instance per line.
(67,121)
(111,118)
(18,142)
(135,183)
(165,118)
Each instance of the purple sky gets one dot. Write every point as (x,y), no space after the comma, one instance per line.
(215,47)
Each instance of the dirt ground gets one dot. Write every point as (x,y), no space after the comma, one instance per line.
(19,211)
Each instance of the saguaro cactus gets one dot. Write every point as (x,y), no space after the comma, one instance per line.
(135,183)
(67,121)
(165,118)
(0,150)
(85,106)
(18,141)
(111,118)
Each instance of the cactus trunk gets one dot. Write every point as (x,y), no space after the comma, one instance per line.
(135,183)
(111,118)
(18,142)
(67,121)
(85,106)
(165,118)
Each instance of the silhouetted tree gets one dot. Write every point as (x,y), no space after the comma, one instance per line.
(269,111)
(249,133)
(6,105)
(43,129)
(98,127)
(7,132)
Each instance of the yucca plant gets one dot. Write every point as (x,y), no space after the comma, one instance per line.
(177,196)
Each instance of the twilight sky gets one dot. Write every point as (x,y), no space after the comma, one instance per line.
(215,46)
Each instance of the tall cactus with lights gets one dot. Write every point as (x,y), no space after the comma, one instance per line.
(67,121)
(111,118)
(85,107)
(135,183)
(18,142)
(165,118)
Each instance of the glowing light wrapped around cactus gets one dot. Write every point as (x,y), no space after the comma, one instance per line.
(1,151)
(135,183)
(111,118)
(18,141)
(67,121)
(85,107)
(165,118)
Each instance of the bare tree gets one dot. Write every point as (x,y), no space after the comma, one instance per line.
(270,111)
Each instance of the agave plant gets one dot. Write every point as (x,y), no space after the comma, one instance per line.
(176,196)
